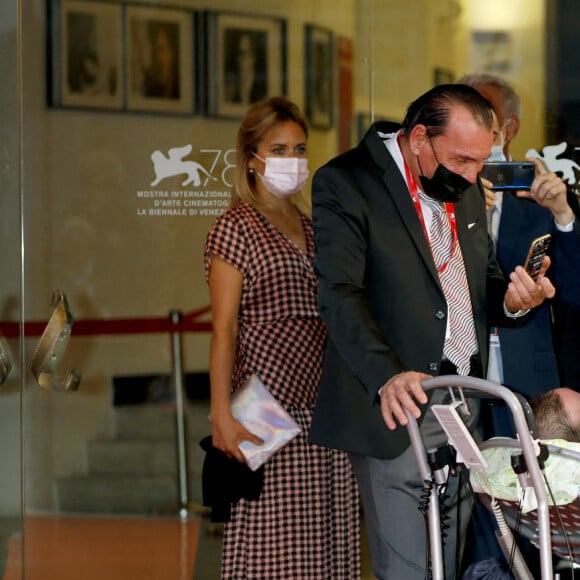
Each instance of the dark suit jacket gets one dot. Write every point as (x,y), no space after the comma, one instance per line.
(380,294)
(567,325)
(567,344)
(529,362)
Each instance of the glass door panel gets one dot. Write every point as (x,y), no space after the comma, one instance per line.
(10,300)
(123,160)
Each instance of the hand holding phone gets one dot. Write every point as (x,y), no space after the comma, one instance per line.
(538,249)
(509,175)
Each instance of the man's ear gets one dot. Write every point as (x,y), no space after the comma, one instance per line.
(512,128)
(417,138)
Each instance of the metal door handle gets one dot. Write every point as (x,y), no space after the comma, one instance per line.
(5,363)
(51,348)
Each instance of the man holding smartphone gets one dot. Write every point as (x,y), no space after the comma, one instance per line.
(523,358)
(407,287)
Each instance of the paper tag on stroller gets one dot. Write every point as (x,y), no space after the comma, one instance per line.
(459,436)
(259,412)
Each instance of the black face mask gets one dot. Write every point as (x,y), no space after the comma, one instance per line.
(445,185)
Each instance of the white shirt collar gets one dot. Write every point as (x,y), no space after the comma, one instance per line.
(391,142)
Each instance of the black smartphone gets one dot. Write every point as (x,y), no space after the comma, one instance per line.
(509,175)
(538,249)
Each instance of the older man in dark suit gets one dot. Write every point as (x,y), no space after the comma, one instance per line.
(408,285)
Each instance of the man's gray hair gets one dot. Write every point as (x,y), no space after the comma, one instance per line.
(552,419)
(512,104)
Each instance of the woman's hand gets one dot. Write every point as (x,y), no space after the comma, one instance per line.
(227,433)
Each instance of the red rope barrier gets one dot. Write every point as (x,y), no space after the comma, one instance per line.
(97,326)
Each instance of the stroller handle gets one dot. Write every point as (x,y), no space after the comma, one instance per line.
(487,395)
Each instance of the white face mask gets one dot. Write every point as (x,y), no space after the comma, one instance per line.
(284,176)
(496,154)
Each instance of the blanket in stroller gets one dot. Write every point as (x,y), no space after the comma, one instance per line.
(500,481)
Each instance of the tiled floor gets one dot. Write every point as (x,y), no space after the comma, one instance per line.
(104,548)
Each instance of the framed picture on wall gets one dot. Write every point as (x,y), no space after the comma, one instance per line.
(492,52)
(319,72)
(246,61)
(159,59)
(85,47)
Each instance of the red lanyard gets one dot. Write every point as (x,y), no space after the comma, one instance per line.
(449,209)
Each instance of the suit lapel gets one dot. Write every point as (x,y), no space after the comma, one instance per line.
(467,223)
(399,192)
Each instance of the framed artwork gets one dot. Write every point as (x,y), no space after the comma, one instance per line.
(319,76)
(85,47)
(246,61)
(492,51)
(159,59)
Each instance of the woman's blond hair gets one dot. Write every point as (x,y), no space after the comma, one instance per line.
(258,120)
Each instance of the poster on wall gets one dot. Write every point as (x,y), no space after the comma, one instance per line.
(492,52)
(86,55)
(246,61)
(319,76)
(160,69)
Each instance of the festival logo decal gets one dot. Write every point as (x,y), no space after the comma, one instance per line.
(188,187)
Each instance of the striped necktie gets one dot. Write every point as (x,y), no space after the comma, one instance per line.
(462,340)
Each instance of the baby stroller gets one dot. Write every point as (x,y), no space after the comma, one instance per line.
(536,525)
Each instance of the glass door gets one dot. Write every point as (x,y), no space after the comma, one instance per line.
(118,125)
(10,300)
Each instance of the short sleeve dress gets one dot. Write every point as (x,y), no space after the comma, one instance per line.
(305,525)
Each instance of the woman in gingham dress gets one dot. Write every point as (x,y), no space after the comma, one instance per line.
(259,266)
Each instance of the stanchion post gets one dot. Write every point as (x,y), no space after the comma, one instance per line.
(180,414)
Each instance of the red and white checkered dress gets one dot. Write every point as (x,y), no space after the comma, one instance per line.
(305,524)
